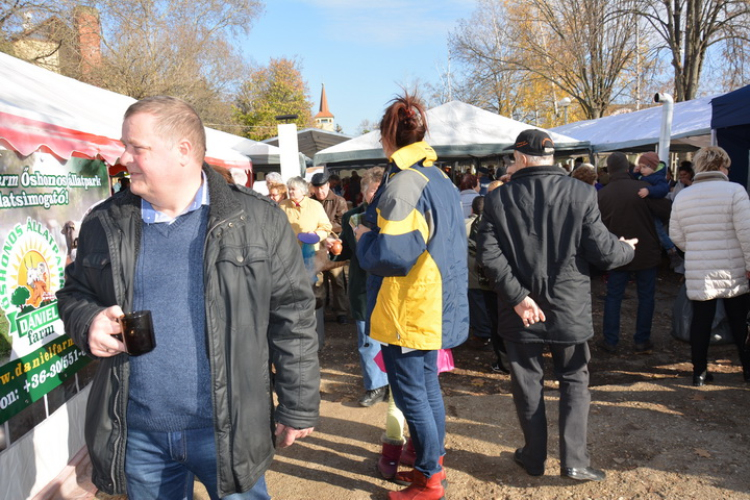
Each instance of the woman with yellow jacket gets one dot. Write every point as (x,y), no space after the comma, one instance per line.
(412,243)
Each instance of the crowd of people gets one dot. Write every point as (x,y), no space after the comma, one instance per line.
(237,282)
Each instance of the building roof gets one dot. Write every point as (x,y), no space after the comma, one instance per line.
(324,112)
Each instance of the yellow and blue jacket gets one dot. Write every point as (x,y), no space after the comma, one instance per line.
(416,256)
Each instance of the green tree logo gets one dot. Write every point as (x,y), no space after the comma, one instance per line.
(20,296)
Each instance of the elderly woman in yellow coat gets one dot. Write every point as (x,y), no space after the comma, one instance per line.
(307,216)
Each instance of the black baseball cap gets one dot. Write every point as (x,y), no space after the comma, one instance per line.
(319,179)
(533,142)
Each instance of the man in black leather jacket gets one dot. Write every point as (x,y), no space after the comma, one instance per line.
(222,274)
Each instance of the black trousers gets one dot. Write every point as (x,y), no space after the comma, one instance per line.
(700,329)
(490,303)
(527,382)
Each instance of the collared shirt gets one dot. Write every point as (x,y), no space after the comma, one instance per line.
(152,216)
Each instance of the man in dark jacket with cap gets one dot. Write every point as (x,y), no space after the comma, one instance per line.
(538,235)
(335,207)
(628,215)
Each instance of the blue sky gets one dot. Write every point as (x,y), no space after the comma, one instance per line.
(361,50)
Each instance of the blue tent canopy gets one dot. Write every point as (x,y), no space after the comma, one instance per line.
(731,122)
(730,109)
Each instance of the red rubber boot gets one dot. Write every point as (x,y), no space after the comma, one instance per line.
(421,488)
(406,477)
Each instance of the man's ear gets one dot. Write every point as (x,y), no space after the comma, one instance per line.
(185,148)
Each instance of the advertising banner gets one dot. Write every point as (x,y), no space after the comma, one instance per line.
(42,201)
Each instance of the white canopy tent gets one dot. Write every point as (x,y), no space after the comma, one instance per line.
(639,130)
(312,140)
(40,109)
(456,130)
(260,154)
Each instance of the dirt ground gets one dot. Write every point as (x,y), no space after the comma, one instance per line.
(655,435)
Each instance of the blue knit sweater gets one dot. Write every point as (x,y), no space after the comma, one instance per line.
(170,386)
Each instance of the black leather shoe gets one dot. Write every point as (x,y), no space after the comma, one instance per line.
(583,473)
(499,367)
(518,458)
(702,379)
(374,396)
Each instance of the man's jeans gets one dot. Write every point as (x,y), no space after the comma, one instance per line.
(663,234)
(646,285)
(162,466)
(414,383)
(372,376)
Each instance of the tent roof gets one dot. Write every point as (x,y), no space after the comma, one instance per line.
(259,153)
(42,110)
(457,130)
(731,109)
(639,130)
(312,140)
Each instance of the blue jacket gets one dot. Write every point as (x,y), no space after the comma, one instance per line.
(416,256)
(659,187)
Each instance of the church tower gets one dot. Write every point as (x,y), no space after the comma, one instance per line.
(324,118)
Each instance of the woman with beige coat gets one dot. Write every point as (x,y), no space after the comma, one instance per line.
(711,224)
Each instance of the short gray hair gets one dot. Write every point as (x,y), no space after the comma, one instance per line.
(374,174)
(538,161)
(297,182)
(273,178)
